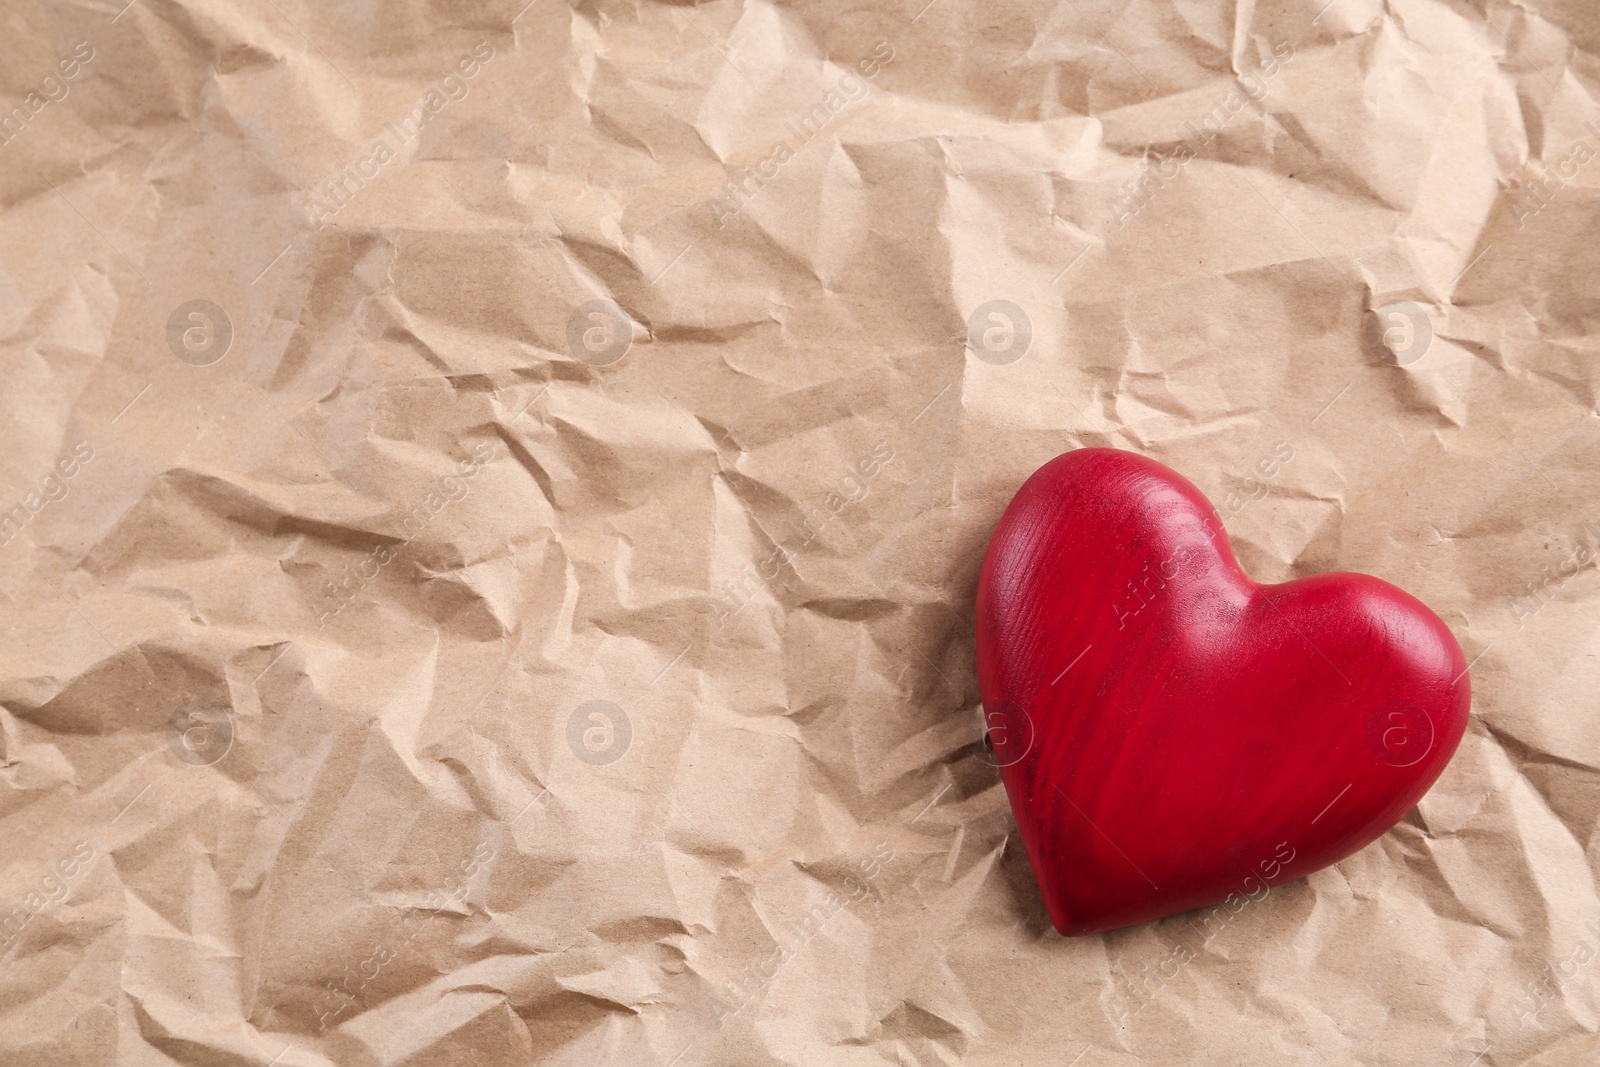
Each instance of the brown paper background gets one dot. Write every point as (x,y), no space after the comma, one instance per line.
(242,830)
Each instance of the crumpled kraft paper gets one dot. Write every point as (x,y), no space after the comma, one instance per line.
(493,495)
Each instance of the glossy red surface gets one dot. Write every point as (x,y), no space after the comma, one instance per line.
(1171,732)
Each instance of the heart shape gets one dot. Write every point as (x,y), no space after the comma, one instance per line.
(1172,734)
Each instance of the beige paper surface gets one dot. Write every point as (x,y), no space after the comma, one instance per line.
(494,500)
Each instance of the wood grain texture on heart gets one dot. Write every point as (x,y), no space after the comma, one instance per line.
(1170,732)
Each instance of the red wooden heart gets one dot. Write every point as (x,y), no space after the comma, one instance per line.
(1171,732)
